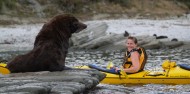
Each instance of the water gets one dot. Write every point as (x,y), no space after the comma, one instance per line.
(155,59)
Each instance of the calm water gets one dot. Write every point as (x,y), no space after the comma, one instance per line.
(155,59)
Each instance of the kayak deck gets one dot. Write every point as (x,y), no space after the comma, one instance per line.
(144,78)
(174,75)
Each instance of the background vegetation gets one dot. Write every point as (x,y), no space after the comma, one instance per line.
(93,9)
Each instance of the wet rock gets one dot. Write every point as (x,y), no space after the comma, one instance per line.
(66,82)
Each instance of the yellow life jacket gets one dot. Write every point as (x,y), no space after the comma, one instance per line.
(143,58)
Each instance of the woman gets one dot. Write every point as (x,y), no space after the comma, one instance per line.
(135,57)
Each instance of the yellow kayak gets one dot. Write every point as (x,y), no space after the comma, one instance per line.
(171,74)
(4,70)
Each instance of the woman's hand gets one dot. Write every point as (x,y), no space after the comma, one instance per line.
(117,69)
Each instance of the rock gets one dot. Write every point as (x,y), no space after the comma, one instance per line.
(145,39)
(114,43)
(172,44)
(113,47)
(102,41)
(95,37)
(152,45)
(164,40)
(112,89)
(67,82)
(186,45)
(92,32)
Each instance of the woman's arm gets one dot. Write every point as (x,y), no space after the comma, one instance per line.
(135,63)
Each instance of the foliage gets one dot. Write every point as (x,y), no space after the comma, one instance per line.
(186,2)
(121,2)
(72,6)
(8,3)
(87,7)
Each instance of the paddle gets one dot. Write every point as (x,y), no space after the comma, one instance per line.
(121,72)
(109,65)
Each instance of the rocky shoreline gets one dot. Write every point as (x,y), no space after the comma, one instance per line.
(106,35)
(65,82)
(76,81)
(95,37)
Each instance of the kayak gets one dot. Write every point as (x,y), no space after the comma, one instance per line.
(170,73)
(4,70)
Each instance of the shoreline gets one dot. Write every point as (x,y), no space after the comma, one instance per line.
(11,48)
(21,37)
(186,45)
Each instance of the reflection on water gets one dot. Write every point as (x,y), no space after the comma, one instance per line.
(155,59)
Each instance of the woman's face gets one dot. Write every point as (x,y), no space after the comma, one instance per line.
(130,44)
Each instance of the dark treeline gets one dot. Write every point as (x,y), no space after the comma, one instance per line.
(47,8)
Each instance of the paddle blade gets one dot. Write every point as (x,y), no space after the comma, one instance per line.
(110,65)
(3,64)
(122,72)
